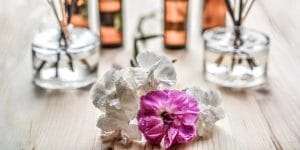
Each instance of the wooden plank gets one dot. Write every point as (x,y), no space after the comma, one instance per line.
(262,118)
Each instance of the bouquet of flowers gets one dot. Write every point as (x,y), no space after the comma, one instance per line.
(143,102)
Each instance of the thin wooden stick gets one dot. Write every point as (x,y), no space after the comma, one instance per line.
(234,8)
(64,18)
(227,2)
(51,3)
(57,17)
(240,12)
(245,4)
(63,12)
(57,65)
(246,1)
(64,32)
(247,10)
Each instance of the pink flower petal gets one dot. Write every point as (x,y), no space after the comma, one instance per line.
(152,102)
(153,128)
(190,118)
(169,139)
(186,133)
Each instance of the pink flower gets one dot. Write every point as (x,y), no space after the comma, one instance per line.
(168,114)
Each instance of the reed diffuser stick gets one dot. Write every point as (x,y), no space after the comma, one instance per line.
(246,12)
(242,11)
(230,10)
(64,33)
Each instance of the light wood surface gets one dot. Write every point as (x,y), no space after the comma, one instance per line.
(263,118)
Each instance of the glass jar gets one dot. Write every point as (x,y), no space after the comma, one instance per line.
(235,57)
(58,65)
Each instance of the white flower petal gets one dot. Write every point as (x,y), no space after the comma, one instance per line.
(129,101)
(210,109)
(154,72)
(124,137)
(131,132)
(140,76)
(197,93)
(209,115)
(113,119)
(114,87)
(212,98)
(166,73)
(207,97)
(147,59)
(116,128)
(104,91)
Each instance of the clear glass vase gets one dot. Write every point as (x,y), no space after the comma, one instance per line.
(58,65)
(235,57)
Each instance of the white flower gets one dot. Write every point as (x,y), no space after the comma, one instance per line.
(117,97)
(154,72)
(210,109)
(116,90)
(104,92)
(116,126)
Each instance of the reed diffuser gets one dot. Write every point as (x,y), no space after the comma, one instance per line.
(64,57)
(236,57)
(175,23)
(111,28)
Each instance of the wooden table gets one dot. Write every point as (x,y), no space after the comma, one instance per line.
(263,118)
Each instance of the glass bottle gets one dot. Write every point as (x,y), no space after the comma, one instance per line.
(214,14)
(175,23)
(79,10)
(111,34)
(84,14)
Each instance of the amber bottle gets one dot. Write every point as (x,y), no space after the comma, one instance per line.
(214,14)
(111,34)
(78,12)
(175,23)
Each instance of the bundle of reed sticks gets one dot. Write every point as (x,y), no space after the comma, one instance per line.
(63,13)
(238,11)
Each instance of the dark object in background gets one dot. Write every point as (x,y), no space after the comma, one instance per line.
(175,23)
(111,35)
(214,14)
(78,13)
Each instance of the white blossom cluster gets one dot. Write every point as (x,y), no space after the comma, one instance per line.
(117,95)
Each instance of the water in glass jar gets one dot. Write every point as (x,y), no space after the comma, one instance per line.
(237,67)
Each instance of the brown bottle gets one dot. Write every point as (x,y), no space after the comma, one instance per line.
(111,35)
(175,22)
(78,12)
(214,14)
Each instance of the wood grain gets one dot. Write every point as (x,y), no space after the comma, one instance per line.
(267,117)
